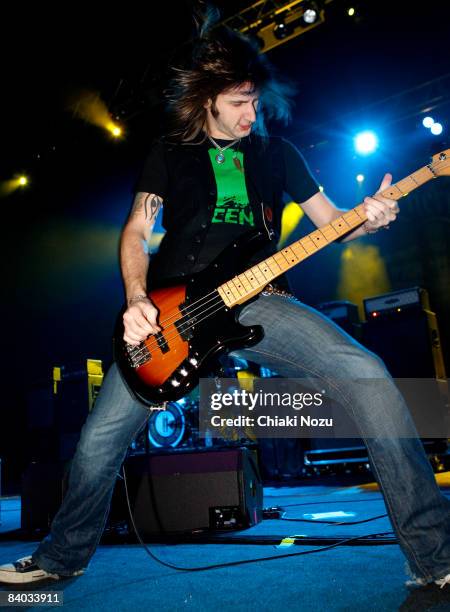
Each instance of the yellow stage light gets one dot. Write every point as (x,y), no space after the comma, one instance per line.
(90,107)
(351,12)
(363,273)
(114,129)
(11,185)
(292,214)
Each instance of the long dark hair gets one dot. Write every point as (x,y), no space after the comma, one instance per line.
(221,61)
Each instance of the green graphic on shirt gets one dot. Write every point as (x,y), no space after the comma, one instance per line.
(232,204)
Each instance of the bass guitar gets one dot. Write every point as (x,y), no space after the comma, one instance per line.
(198,317)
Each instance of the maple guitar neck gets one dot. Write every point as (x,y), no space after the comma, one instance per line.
(244,286)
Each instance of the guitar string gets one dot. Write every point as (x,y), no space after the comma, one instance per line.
(150,347)
(199,303)
(188,312)
(223,305)
(189,309)
(182,320)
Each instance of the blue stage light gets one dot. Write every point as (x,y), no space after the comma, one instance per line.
(436,129)
(427,122)
(366,142)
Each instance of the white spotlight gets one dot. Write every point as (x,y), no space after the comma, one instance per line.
(427,122)
(436,129)
(366,142)
(310,16)
(360,178)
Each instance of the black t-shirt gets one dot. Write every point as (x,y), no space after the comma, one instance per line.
(237,205)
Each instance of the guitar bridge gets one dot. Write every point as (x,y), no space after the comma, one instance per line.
(138,355)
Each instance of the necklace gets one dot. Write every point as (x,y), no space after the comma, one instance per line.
(220,157)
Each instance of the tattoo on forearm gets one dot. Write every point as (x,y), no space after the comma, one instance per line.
(149,202)
(151,206)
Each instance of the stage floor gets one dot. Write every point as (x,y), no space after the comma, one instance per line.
(369,577)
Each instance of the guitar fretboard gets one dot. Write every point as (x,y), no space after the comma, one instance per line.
(244,286)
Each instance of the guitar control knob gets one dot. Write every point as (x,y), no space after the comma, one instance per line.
(183,372)
(174,382)
(193,361)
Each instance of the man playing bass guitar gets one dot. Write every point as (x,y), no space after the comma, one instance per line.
(216,176)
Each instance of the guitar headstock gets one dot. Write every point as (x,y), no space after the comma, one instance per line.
(440,163)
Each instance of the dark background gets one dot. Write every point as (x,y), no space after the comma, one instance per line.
(62,286)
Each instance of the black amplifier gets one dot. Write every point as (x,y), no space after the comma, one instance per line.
(184,491)
(387,304)
(403,331)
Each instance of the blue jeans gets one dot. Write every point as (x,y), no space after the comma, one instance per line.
(298,341)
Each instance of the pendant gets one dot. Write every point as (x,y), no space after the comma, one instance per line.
(220,158)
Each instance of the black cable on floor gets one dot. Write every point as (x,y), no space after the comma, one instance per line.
(232,563)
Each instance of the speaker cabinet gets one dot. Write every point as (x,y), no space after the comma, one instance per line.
(403,331)
(188,491)
(408,343)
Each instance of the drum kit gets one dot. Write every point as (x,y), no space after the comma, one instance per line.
(177,425)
